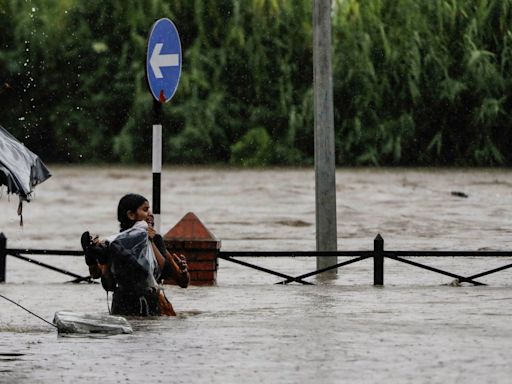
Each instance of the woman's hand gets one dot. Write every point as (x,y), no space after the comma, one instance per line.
(151,233)
(181,261)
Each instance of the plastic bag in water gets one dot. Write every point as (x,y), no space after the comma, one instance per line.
(83,323)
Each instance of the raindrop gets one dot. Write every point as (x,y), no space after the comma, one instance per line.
(21,118)
(33,9)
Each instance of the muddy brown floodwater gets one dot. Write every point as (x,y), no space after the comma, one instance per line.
(415,329)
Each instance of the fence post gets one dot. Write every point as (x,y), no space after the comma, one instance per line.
(3,256)
(378,260)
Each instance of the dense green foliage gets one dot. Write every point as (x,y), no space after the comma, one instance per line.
(416,82)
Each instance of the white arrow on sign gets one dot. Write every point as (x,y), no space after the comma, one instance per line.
(166,60)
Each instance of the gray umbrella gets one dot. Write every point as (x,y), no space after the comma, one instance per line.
(20,169)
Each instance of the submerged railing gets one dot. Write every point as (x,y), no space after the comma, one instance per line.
(378,254)
(18,254)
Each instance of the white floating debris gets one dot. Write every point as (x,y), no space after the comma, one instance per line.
(76,322)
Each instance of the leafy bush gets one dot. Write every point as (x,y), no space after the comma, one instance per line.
(415,82)
(253,149)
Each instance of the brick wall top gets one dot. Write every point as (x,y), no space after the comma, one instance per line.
(190,229)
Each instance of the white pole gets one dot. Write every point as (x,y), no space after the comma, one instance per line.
(157,170)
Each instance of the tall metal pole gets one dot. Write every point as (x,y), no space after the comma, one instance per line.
(325,178)
(157,162)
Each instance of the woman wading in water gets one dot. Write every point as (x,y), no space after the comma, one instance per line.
(132,262)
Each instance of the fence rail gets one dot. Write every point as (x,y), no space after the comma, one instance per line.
(378,254)
(52,252)
(19,254)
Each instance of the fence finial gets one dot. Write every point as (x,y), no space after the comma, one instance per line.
(378,260)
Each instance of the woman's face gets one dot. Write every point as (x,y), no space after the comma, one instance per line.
(141,213)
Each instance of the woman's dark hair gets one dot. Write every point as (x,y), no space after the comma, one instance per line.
(130,202)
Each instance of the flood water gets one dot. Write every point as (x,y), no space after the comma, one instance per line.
(416,329)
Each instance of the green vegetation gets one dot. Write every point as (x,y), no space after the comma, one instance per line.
(415,82)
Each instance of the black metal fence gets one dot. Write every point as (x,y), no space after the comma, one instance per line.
(378,254)
(19,254)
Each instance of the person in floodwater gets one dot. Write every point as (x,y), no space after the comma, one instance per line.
(132,262)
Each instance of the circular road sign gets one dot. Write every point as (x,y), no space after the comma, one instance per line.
(163,60)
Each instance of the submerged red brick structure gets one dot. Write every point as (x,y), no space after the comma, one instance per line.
(191,238)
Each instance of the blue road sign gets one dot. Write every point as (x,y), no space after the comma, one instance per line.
(163,61)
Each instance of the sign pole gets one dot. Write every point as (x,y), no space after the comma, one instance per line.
(163,71)
(157,163)
(325,166)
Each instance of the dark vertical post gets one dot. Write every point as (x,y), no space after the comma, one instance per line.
(157,162)
(378,260)
(325,166)
(3,256)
